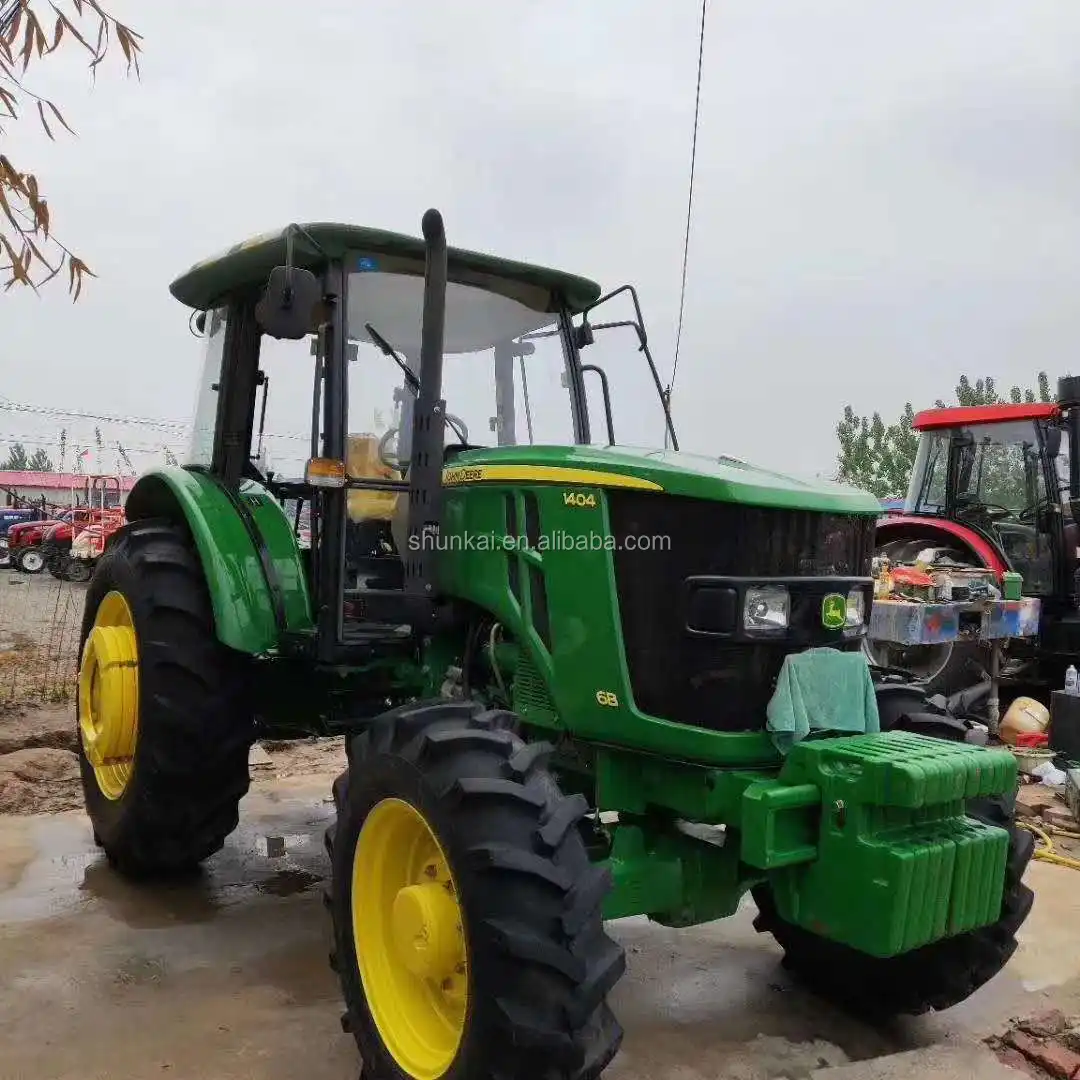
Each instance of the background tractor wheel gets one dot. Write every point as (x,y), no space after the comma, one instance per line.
(30,560)
(164,718)
(451,832)
(78,570)
(937,976)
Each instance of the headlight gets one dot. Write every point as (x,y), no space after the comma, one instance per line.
(766,607)
(856,608)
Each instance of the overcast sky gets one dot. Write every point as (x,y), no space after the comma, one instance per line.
(888,194)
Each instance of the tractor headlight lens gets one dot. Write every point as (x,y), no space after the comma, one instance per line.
(766,608)
(856,608)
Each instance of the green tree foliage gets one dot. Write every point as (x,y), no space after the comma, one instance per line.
(125,459)
(18,460)
(40,461)
(878,457)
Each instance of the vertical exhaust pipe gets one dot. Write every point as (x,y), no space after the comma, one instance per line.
(429,417)
(434,324)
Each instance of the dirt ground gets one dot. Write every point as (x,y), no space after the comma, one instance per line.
(227,978)
(39,772)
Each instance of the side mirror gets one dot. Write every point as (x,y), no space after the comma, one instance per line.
(1053,441)
(287,307)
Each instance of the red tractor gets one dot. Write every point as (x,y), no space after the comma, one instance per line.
(101,512)
(25,539)
(86,545)
(995,487)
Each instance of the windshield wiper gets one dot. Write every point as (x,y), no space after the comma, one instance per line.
(388,349)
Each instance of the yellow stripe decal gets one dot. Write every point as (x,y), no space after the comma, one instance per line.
(543,474)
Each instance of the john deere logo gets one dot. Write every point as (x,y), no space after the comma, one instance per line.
(833,611)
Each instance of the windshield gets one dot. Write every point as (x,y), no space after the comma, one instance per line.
(998,467)
(499,390)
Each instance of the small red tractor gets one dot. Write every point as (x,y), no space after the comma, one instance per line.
(88,544)
(997,488)
(25,538)
(67,555)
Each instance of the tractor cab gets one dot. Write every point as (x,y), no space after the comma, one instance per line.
(1000,472)
(996,487)
(342,380)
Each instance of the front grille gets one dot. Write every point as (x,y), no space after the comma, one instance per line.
(714,683)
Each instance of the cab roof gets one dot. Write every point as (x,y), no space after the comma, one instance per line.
(248,265)
(966,415)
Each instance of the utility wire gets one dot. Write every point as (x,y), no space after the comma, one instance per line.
(689,216)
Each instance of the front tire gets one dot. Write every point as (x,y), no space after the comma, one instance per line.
(444,799)
(164,716)
(30,560)
(939,669)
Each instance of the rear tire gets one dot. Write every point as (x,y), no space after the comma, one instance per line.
(539,964)
(189,768)
(935,977)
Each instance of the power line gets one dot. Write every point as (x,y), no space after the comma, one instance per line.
(175,427)
(689,209)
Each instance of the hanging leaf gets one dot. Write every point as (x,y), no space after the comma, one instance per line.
(25,219)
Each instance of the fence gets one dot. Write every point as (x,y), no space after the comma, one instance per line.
(40,619)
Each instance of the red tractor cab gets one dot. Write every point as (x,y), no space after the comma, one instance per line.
(995,487)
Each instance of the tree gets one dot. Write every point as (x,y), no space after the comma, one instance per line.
(25,217)
(17,461)
(40,461)
(878,457)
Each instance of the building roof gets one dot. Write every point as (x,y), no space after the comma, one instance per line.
(53,481)
(965,415)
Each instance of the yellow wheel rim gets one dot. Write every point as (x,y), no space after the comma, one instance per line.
(109,696)
(409,938)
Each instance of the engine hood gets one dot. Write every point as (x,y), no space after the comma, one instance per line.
(669,472)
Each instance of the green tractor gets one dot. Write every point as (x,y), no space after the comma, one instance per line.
(554,663)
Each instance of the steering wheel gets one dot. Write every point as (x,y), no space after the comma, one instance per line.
(995,511)
(456,424)
(1031,512)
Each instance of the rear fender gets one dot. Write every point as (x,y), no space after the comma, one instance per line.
(257,595)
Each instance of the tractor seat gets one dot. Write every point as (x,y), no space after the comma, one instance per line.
(370,558)
(363,463)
